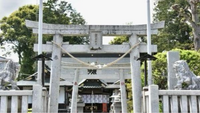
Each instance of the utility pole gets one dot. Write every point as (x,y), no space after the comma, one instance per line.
(149,43)
(39,77)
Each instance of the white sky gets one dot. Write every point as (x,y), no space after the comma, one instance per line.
(95,12)
(99,12)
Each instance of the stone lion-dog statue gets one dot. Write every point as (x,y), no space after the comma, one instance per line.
(186,79)
(8,76)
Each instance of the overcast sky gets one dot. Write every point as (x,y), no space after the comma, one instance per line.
(9,6)
(100,12)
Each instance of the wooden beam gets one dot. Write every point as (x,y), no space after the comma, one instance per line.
(105,48)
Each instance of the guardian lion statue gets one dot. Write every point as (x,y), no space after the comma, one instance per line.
(186,79)
(8,76)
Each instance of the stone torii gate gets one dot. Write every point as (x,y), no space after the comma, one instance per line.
(95,32)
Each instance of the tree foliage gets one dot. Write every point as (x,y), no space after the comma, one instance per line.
(176,33)
(189,11)
(14,29)
(63,13)
(129,96)
(119,40)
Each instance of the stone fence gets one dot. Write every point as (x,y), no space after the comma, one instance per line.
(15,101)
(170,101)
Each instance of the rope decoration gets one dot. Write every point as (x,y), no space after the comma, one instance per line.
(98,66)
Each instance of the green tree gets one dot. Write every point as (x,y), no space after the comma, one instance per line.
(176,33)
(119,40)
(129,95)
(14,29)
(189,11)
(63,13)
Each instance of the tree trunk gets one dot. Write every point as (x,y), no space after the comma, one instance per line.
(194,23)
(196,34)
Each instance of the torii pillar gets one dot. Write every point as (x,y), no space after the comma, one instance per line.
(135,75)
(75,93)
(123,92)
(55,75)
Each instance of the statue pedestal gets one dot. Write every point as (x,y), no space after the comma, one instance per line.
(80,106)
(116,107)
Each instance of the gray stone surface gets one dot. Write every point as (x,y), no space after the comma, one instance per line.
(185,76)
(75,93)
(80,106)
(105,48)
(116,106)
(34,24)
(37,99)
(95,40)
(135,75)
(107,30)
(172,56)
(123,92)
(55,75)
(153,99)
(8,76)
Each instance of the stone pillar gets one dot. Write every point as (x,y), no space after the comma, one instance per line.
(75,93)
(123,92)
(153,99)
(55,75)
(80,106)
(172,56)
(37,99)
(117,107)
(135,75)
